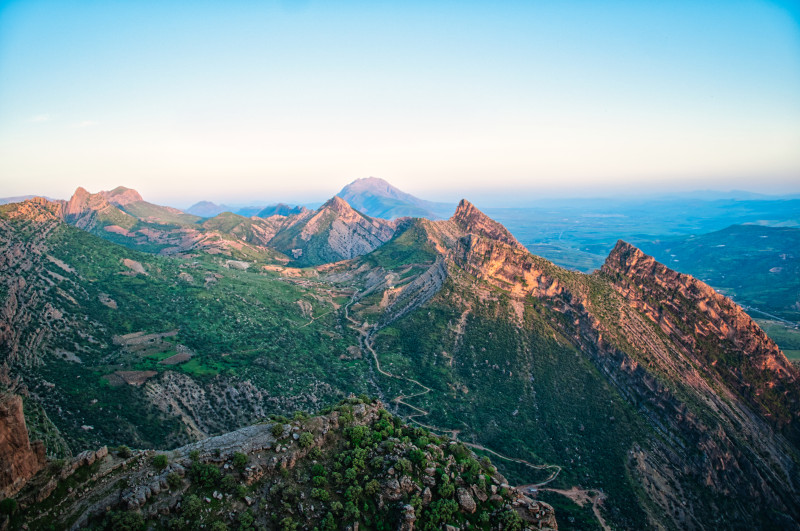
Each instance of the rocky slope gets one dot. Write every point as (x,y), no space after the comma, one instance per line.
(334,232)
(355,465)
(19,458)
(716,401)
(637,384)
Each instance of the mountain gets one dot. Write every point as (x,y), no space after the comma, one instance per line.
(633,397)
(759,266)
(379,199)
(20,199)
(355,463)
(281,209)
(334,232)
(207,209)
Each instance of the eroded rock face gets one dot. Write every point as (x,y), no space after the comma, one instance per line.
(473,221)
(19,458)
(711,329)
(334,232)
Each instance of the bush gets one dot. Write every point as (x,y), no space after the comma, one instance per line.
(194,455)
(174,480)
(277,430)
(306,439)
(239,460)
(191,507)
(160,461)
(229,483)
(320,494)
(124,451)
(8,506)
(205,475)
(124,521)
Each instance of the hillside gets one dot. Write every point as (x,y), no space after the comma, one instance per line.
(355,464)
(379,199)
(636,396)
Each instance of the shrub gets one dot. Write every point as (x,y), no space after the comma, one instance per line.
(174,480)
(160,461)
(372,487)
(205,475)
(306,439)
(239,460)
(287,524)
(124,521)
(229,483)
(320,494)
(191,507)
(8,506)
(351,512)
(277,430)
(194,455)
(124,451)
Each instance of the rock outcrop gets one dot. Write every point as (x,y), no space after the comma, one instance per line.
(298,472)
(473,221)
(20,459)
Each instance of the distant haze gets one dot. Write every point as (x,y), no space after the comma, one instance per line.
(496,101)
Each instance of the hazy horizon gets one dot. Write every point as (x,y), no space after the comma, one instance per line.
(290,101)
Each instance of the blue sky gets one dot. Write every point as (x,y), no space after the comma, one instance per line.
(292,100)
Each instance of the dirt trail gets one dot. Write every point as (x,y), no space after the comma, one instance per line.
(579,496)
(365,343)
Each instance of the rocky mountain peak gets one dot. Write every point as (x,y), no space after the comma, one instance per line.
(121,196)
(472,220)
(83,201)
(338,205)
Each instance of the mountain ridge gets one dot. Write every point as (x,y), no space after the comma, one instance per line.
(636,380)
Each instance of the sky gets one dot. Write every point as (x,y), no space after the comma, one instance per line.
(289,101)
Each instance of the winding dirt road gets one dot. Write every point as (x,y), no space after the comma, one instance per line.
(577,495)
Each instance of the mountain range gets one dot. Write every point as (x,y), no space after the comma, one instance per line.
(632,397)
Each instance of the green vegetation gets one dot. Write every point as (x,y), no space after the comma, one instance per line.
(160,462)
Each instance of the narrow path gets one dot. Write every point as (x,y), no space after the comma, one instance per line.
(579,496)
(315,318)
(366,342)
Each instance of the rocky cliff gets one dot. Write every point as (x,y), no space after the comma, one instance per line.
(357,463)
(20,459)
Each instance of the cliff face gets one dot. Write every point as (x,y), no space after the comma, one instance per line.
(19,458)
(713,331)
(473,221)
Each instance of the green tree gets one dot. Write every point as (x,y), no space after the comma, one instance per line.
(160,461)
(239,460)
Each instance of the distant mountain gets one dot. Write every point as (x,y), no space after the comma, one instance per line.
(281,209)
(21,198)
(377,198)
(207,209)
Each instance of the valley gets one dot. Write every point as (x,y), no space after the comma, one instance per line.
(632,397)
